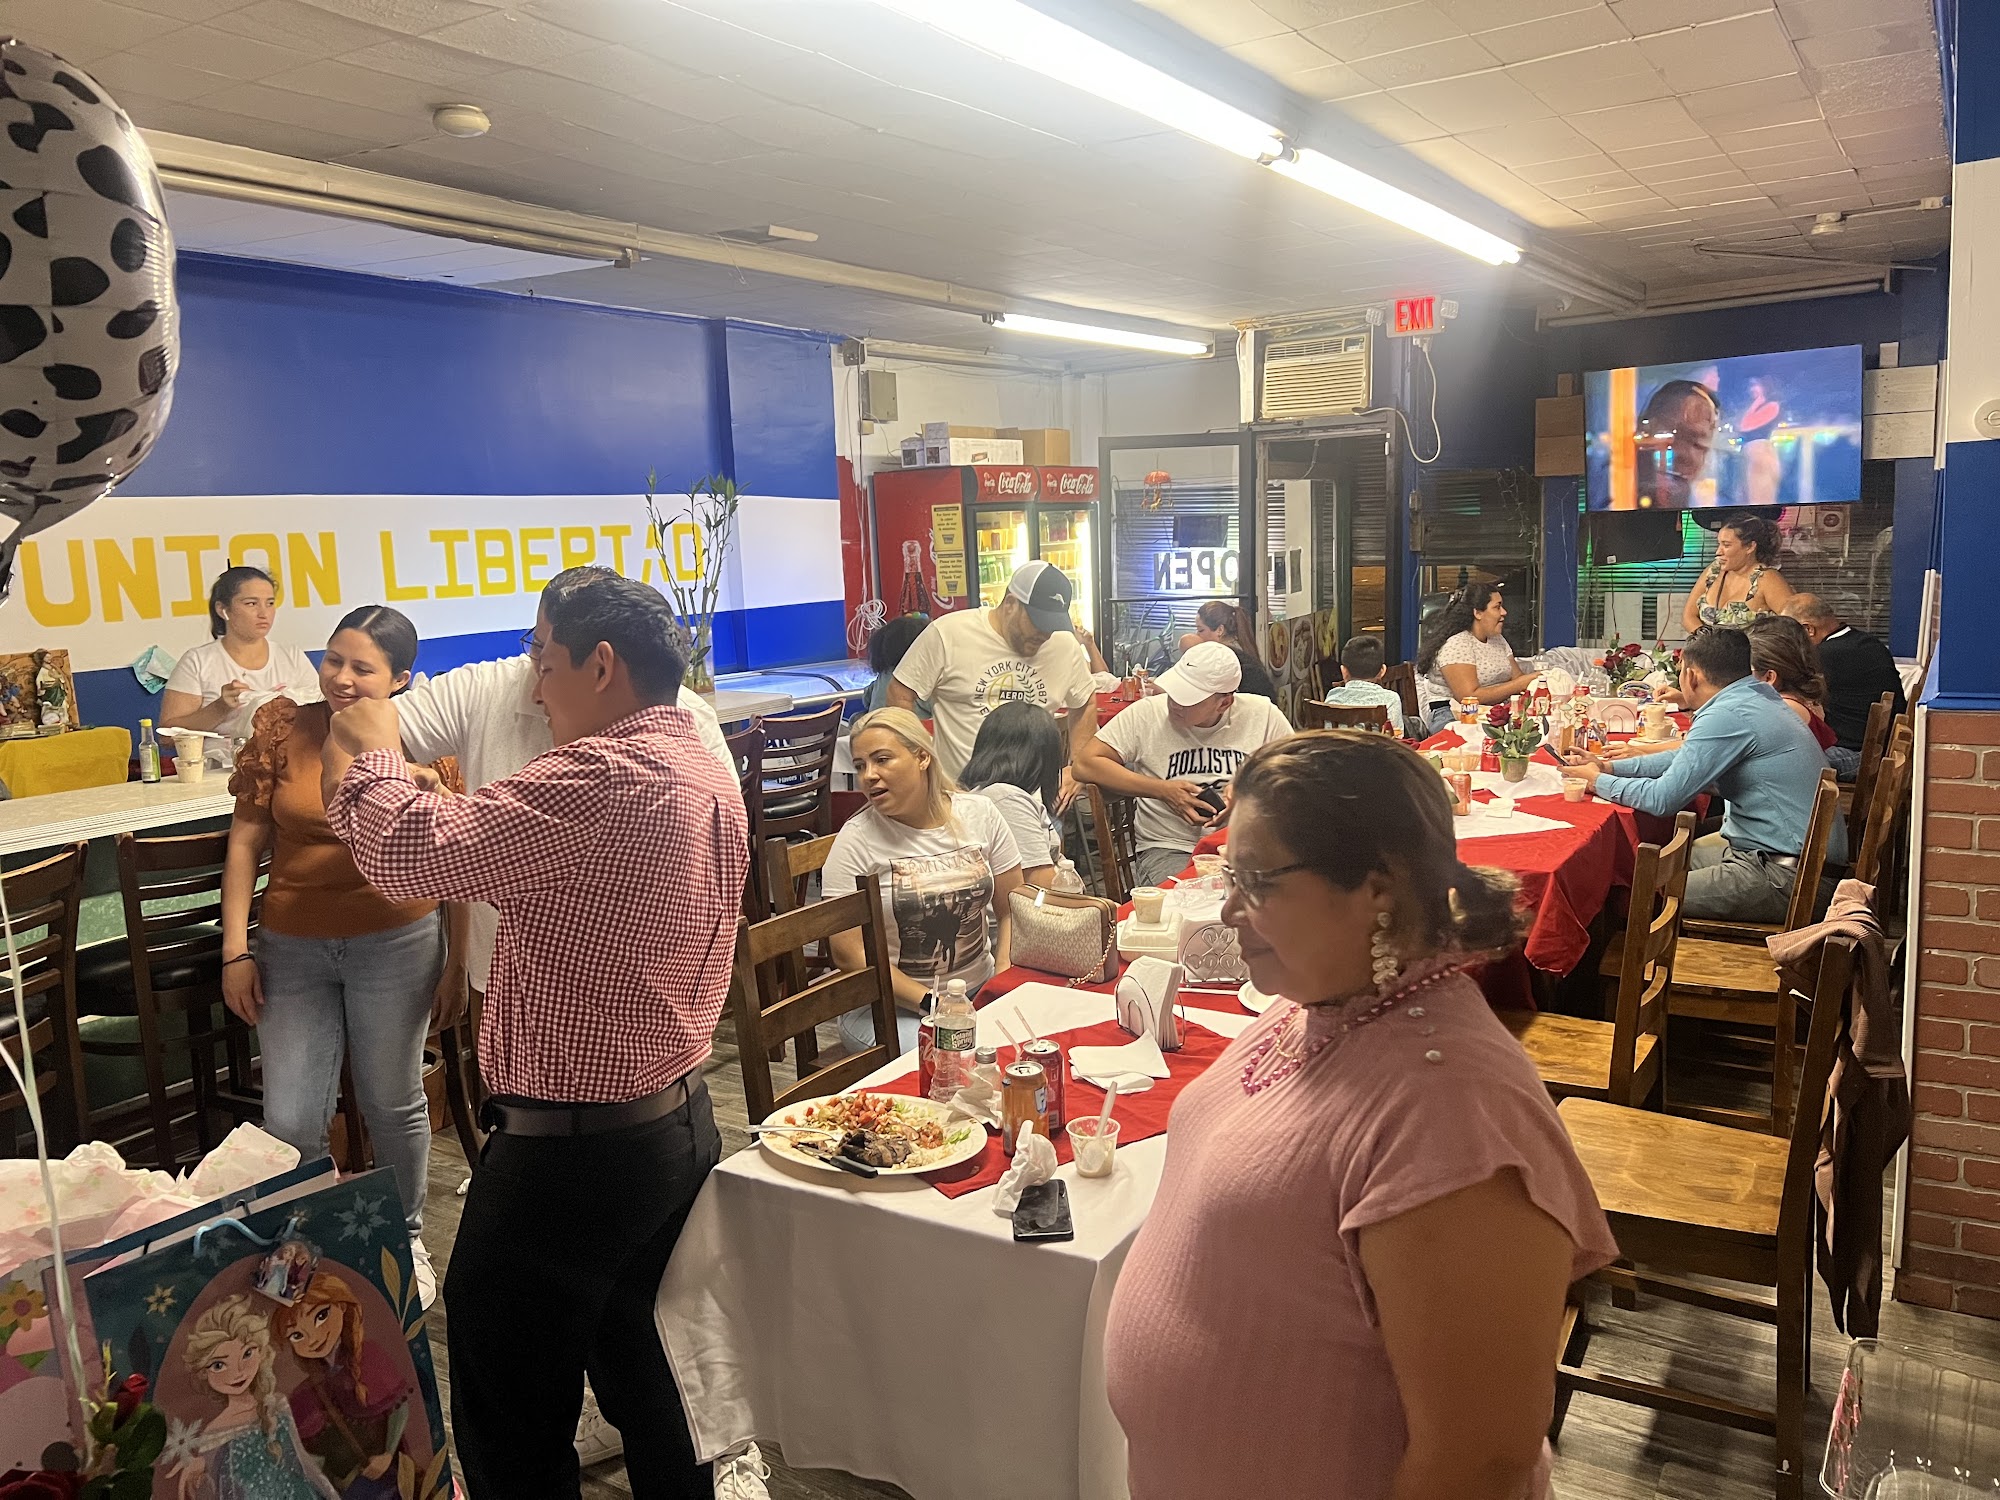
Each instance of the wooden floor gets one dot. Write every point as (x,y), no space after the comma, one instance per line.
(1609,1451)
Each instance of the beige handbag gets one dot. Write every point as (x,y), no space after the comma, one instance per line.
(1058,933)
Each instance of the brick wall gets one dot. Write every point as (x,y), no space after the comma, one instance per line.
(1951,1254)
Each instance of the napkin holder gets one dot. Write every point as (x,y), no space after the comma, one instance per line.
(1147,997)
(1209,952)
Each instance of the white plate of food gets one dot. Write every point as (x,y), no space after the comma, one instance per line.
(1254,1000)
(924,1134)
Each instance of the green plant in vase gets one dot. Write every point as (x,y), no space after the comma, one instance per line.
(695,587)
(1513,740)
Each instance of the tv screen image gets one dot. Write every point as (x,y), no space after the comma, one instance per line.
(1757,429)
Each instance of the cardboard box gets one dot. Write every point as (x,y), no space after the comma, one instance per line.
(943,432)
(973,450)
(1559,455)
(1044,447)
(1559,416)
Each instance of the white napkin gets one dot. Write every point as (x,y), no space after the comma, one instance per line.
(1221,1022)
(1135,1065)
(1541,781)
(1146,998)
(980,1099)
(1034,1161)
(1484,826)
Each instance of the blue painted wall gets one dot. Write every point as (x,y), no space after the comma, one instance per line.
(296,381)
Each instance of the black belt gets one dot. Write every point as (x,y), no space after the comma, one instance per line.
(514,1116)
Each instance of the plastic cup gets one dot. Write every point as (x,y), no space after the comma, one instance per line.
(1094,1153)
(1148,904)
(1206,865)
(1575,788)
(189,764)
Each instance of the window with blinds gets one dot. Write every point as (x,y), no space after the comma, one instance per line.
(1146,614)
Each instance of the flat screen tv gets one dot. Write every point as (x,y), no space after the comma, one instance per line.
(1757,429)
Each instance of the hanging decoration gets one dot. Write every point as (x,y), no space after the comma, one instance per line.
(1154,487)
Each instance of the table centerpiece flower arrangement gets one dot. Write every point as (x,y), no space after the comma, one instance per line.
(1626,667)
(1514,737)
(692,550)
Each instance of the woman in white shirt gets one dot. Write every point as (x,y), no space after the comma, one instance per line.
(1017,765)
(219,685)
(1464,655)
(944,859)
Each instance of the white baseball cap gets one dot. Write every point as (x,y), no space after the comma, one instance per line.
(1207,669)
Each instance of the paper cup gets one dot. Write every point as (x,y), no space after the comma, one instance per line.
(189,765)
(1575,788)
(1206,865)
(1095,1154)
(1148,902)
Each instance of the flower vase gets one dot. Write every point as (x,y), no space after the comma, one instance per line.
(700,676)
(1513,767)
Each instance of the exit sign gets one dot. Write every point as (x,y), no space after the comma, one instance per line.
(1414,315)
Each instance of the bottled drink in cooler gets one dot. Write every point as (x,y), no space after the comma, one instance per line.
(954,1038)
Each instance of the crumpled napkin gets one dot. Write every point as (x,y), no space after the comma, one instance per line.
(152,667)
(980,1099)
(1034,1161)
(1134,1065)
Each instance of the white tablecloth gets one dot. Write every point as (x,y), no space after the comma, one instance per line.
(887,1330)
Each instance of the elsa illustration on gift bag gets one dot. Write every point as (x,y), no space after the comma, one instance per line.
(250,1450)
(352,1407)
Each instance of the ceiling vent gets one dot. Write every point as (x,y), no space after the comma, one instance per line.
(1313,377)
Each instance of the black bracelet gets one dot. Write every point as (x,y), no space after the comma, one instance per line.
(240,958)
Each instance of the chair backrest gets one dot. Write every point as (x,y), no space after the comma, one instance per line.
(786,866)
(767,1014)
(1646,970)
(1892,789)
(746,747)
(798,771)
(1402,676)
(1314,714)
(1831,968)
(44,898)
(1874,744)
(1117,841)
(1812,858)
(165,883)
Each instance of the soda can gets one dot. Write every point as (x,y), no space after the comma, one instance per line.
(1050,1056)
(1024,1095)
(1461,791)
(926,1054)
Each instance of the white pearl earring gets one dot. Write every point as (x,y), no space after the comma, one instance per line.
(1382,955)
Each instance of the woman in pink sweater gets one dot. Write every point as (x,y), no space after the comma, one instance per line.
(1351,1283)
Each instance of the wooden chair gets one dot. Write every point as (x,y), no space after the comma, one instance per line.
(1733,982)
(767,1015)
(746,746)
(43,899)
(787,868)
(167,974)
(1874,744)
(1688,1199)
(1117,842)
(1402,676)
(1622,1060)
(797,781)
(1314,714)
(1886,806)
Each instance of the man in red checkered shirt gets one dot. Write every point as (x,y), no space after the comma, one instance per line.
(616,862)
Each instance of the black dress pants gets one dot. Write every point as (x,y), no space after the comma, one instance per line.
(554,1274)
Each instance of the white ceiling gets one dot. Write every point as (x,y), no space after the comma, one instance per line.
(1627,130)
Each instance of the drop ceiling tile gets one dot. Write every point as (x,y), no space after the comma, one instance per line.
(1331,83)
(1788,164)
(1491,15)
(1546,173)
(1673,159)
(82,30)
(1612,75)
(1434,60)
(520,39)
(1901,117)
(1809,18)
(424,62)
(1812,133)
(377,127)
(1863,42)
(332,79)
(1820,188)
(1752,106)
(216,51)
(266,135)
(1565,36)
(1923,182)
(1879,83)
(301,27)
(1284,57)
(130,75)
(405,17)
(1372,34)
(1483,101)
(1227,25)
(1892,146)
(1735,51)
(1529,143)
(1389,118)
(1653,123)
(177,10)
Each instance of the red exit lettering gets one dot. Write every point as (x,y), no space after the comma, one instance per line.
(1415,315)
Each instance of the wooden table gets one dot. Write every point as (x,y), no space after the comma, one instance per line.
(101,811)
(734,705)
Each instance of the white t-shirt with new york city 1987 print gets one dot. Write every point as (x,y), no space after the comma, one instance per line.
(1152,744)
(966,670)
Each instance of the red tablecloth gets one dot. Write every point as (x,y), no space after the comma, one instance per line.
(1140,1116)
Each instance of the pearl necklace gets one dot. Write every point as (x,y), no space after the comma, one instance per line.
(1283,1050)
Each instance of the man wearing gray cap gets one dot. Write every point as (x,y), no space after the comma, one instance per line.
(1024,649)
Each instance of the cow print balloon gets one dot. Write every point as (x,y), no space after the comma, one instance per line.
(89,327)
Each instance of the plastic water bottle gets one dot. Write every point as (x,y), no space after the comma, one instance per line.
(1066,879)
(955,1038)
(149,754)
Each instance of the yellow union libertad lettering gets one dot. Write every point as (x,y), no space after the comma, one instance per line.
(394,592)
(52,614)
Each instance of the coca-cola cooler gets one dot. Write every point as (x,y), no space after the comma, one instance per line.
(949,538)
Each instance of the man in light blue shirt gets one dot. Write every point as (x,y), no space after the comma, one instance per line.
(1749,744)
(1361,670)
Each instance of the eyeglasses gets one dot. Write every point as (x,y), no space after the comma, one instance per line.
(530,647)
(1254,886)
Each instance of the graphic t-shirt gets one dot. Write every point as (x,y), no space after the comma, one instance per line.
(937,886)
(966,670)
(1149,742)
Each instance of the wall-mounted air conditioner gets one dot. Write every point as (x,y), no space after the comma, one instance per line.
(1322,376)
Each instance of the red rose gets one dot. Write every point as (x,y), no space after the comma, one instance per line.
(1499,713)
(19,1484)
(131,1393)
(1632,650)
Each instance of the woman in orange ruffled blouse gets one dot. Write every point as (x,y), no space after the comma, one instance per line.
(337,969)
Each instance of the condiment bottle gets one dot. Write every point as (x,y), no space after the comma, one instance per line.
(149,753)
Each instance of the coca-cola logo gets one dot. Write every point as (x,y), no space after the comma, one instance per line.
(1070,484)
(1007,483)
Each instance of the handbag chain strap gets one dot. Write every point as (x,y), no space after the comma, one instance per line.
(1103,960)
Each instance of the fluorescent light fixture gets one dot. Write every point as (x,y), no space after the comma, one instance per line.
(1090,333)
(1021,34)
(1338,180)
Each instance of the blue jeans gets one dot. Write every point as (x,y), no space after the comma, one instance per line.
(367,999)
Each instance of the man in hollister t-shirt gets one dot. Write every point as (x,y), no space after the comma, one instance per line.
(1176,752)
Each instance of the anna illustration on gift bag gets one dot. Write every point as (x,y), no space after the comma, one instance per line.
(250,1450)
(352,1407)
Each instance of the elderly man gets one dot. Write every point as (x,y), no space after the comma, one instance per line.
(1176,752)
(1859,670)
(616,861)
(1023,649)
(1746,741)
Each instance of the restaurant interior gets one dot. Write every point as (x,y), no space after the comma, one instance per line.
(818,314)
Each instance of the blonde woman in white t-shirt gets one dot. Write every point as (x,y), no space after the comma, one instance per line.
(944,860)
(219,685)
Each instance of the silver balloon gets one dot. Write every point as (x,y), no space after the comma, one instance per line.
(89,325)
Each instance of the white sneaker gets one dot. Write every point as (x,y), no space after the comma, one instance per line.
(423,1273)
(597,1441)
(741,1475)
